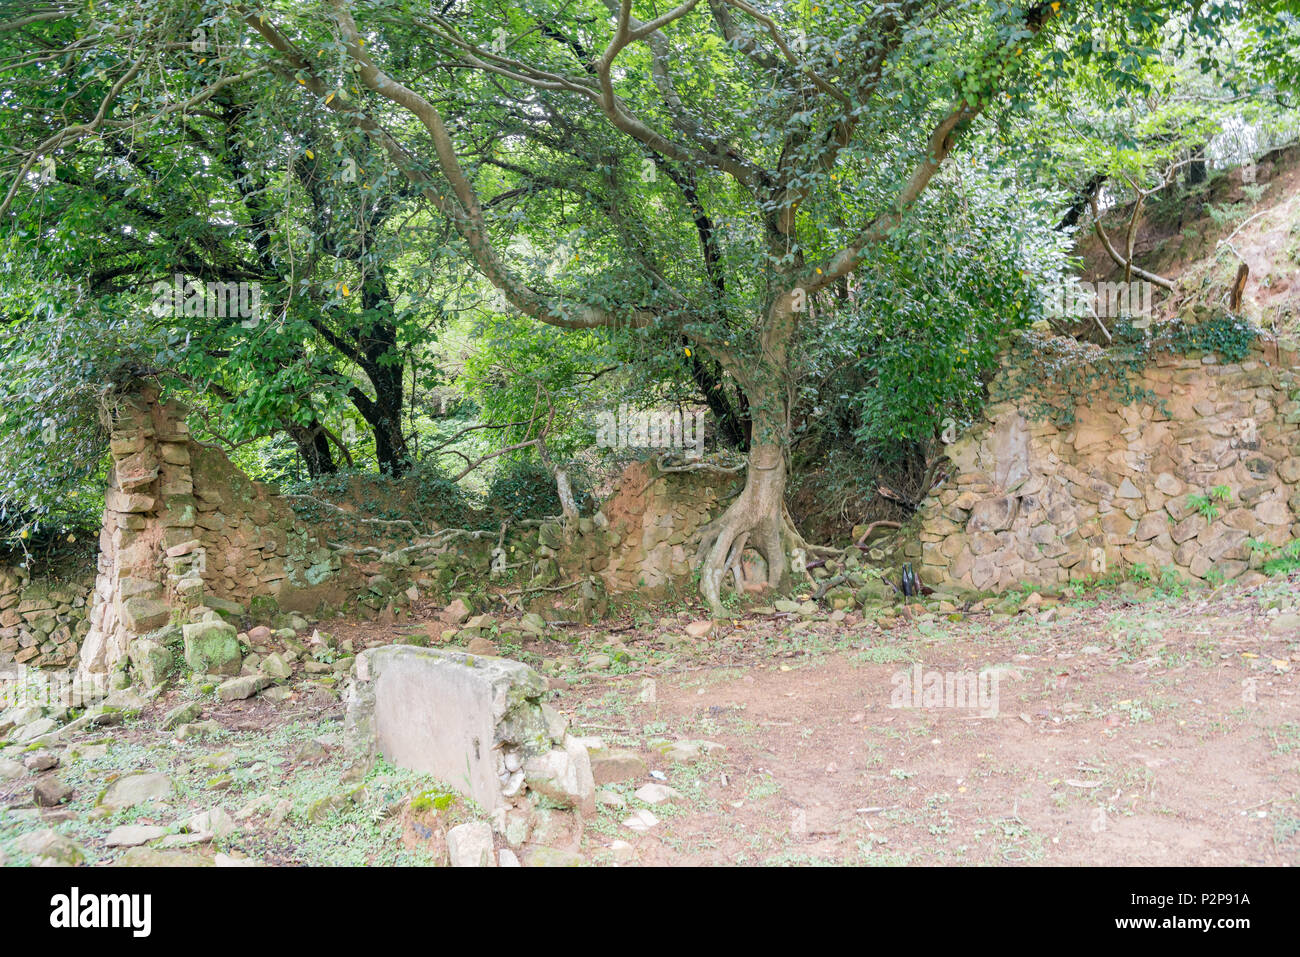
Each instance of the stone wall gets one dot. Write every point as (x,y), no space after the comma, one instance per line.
(1030,502)
(42,621)
(184,527)
(645,535)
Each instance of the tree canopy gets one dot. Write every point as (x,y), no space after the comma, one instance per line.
(820,220)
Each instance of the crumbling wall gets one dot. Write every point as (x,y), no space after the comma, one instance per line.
(645,535)
(42,620)
(183,527)
(1031,502)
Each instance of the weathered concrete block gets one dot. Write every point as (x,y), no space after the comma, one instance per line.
(466,720)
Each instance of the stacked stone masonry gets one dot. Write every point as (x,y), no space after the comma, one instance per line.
(42,621)
(645,536)
(184,527)
(1028,502)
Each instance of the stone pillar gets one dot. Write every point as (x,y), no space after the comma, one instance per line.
(145,514)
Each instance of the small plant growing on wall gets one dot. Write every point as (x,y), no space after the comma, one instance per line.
(1208,504)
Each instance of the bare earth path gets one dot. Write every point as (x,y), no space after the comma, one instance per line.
(1164,732)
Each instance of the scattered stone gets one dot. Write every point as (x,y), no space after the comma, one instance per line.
(132,790)
(40,761)
(212,647)
(198,729)
(35,729)
(698,629)
(482,646)
(564,776)
(274,666)
(11,770)
(641,821)
(227,860)
(552,857)
(181,714)
(686,752)
(557,725)
(470,845)
(150,857)
(611,767)
(85,752)
(215,822)
(184,840)
(657,794)
(151,661)
(505,858)
(279,813)
(1284,624)
(649,692)
(622,851)
(608,798)
(327,807)
(245,686)
(456,612)
(49,848)
(133,835)
(51,792)
(310,752)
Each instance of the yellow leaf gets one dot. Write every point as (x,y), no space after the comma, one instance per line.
(688,353)
(310,154)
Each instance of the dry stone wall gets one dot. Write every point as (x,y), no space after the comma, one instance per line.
(1030,502)
(184,527)
(42,620)
(644,537)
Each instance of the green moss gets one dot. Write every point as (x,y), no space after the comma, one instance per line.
(432,799)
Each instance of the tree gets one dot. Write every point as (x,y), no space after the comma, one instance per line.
(805,132)
(229,192)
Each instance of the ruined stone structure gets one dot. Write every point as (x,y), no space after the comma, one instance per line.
(42,621)
(1030,502)
(468,720)
(645,535)
(184,527)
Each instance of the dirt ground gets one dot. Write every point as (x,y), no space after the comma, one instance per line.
(1136,733)
(1161,729)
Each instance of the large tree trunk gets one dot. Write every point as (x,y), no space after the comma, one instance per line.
(314,447)
(757,517)
(379,349)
